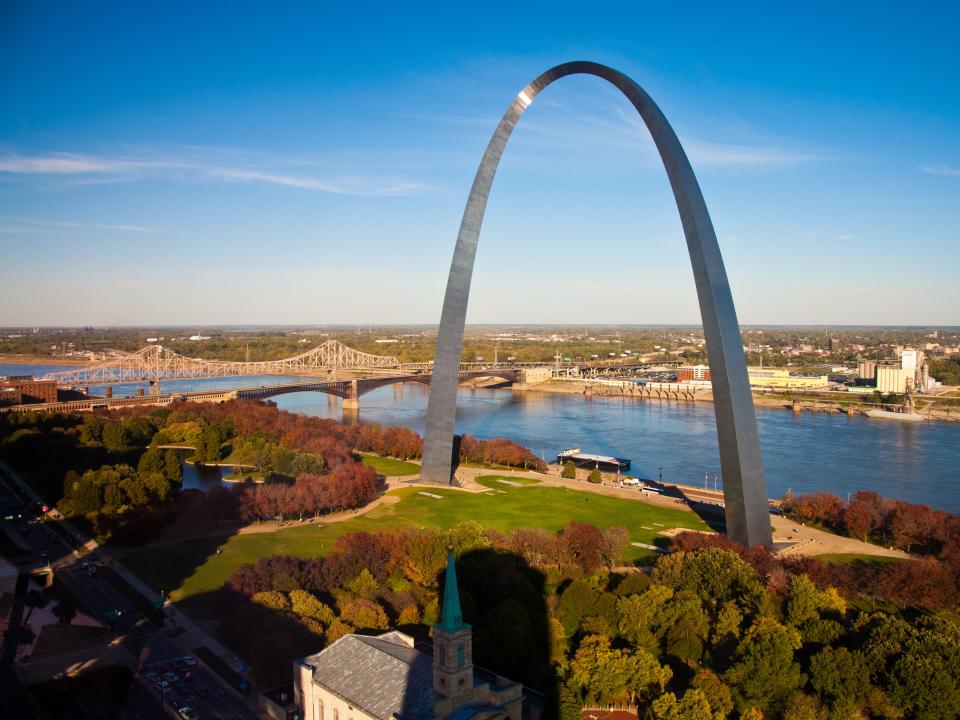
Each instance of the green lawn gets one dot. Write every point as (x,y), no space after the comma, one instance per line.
(505,482)
(389,467)
(191,570)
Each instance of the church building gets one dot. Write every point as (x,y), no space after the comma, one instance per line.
(384,677)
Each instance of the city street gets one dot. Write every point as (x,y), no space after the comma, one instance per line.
(145,642)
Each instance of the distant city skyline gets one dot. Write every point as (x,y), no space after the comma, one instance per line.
(184,166)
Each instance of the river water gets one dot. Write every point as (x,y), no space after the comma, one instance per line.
(803,452)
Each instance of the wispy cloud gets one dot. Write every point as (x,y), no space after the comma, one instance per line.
(946,170)
(845,236)
(53,164)
(198,164)
(34,226)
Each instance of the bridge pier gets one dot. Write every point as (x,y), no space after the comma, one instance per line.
(351,402)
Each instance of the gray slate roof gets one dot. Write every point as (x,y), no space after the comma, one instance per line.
(380,675)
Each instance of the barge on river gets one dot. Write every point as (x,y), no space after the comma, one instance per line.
(587,461)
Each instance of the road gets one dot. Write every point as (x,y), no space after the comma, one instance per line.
(146,643)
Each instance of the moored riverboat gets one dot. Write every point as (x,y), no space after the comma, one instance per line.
(589,461)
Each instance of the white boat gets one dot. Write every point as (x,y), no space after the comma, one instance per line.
(892,415)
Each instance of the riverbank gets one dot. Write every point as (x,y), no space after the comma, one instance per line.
(43,360)
(844,405)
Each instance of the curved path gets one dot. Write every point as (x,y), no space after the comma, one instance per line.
(740,459)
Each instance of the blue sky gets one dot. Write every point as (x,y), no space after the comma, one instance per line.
(206,163)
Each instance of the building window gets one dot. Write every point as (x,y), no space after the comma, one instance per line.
(336,714)
(443,655)
(461,655)
(319,710)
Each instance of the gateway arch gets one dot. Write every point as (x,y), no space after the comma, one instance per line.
(747,514)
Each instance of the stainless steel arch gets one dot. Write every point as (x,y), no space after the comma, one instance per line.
(747,514)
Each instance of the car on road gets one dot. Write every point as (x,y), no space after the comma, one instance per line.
(171,677)
(164,686)
(178,663)
(189,659)
(154,678)
(188,713)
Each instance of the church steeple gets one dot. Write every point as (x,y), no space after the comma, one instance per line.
(452,649)
(451,617)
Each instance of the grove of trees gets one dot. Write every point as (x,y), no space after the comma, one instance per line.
(710,631)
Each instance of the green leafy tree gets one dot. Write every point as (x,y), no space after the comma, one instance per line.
(603,674)
(114,437)
(172,467)
(637,613)
(803,602)
(764,672)
(683,626)
(692,706)
(569,470)
(595,477)
(157,485)
(306,463)
(715,690)
(728,622)
(839,674)
(364,585)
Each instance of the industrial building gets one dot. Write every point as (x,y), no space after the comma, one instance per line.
(689,373)
(30,391)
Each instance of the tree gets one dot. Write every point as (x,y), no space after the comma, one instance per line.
(804,707)
(693,706)
(584,545)
(865,515)
(603,674)
(637,613)
(306,605)
(364,585)
(727,625)
(114,437)
(716,692)
(839,674)
(569,470)
(595,477)
(365,615)
(803,602)
(273,600)
(764,672)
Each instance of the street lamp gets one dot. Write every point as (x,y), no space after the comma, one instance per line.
(660,475)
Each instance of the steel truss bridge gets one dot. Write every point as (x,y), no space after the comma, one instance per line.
(156,363)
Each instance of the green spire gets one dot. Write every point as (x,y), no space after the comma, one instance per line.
(451,618)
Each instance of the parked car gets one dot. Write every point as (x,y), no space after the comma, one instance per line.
(189,659)
(171,677)
(188,713)
(154,678)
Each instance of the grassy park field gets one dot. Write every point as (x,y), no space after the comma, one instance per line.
(388,467)
(189,571)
